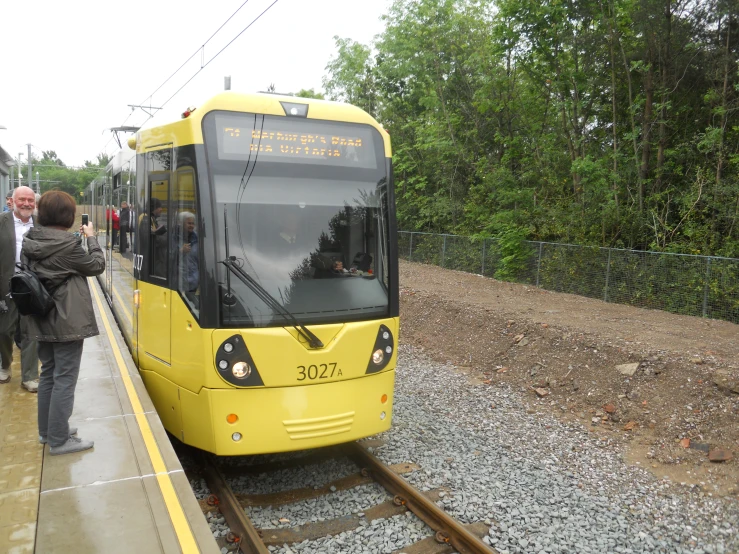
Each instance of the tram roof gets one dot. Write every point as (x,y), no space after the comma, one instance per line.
(189,129)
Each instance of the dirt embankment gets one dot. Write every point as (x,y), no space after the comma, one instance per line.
(569,354)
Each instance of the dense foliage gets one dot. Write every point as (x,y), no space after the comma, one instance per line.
(53,173)
(601,122)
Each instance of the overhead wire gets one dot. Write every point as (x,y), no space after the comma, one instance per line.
(215,56)
(196,52)
(201,49)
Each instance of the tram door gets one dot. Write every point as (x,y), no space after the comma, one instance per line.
(154,312)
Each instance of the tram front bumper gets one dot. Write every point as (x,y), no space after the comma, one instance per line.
(296,418)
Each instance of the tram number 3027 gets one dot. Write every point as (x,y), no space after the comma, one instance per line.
(320,371)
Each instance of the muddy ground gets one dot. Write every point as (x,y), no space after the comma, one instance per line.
(563,352)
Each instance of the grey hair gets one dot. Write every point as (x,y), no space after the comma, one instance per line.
(184,216)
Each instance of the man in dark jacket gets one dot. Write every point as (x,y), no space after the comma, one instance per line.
(13,227)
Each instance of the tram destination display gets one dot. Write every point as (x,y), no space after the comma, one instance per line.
(278,139)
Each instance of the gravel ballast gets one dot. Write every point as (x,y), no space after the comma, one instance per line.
(542,486)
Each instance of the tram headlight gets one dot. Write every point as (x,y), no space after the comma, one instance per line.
(382,351)
(241,370)
(235,364)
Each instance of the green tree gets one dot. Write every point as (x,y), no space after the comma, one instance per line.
(351,75)
(309,93)
(603,122)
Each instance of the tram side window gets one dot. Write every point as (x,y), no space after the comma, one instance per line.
(186,239)
(154,223)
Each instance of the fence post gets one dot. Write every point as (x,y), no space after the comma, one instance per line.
(483,257)
(705,286)
(443,252)
(608,276)
(410,252)
(538,264)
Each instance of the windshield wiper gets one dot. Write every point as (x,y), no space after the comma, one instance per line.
(271,301)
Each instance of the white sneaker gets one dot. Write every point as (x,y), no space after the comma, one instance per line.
(30,386)
(73,444)
(4,375)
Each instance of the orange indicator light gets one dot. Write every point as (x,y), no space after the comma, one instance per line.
(384,398)
(232,418)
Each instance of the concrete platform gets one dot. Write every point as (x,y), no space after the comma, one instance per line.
(128,494)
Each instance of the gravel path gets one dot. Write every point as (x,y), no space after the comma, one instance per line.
(542,486)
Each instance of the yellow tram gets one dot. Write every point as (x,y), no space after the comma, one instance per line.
(256,283)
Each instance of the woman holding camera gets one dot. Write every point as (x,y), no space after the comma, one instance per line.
(62,265)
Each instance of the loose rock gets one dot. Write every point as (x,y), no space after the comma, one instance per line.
(726,380)
(628,369)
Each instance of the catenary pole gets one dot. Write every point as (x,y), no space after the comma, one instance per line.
(30,168)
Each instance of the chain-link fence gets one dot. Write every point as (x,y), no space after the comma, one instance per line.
(705,286)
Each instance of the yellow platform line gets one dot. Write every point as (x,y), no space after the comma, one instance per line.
(176,513)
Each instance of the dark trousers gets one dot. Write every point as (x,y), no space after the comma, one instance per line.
(115,237)
(60,368)
(124,239)
(9,325)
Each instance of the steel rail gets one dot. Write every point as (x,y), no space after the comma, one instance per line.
(249,540)
(447,529)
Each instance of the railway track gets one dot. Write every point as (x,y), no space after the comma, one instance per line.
(449,535)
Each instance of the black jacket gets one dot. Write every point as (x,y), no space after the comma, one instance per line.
(7,253)
(63,266)
(125,219)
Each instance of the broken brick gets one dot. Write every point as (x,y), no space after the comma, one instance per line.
(719,454)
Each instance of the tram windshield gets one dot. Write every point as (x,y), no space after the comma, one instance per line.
(304,206)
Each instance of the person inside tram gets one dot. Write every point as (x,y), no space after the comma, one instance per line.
(150,227)
(126,224)
(187,252)
(8,202)
(339,270)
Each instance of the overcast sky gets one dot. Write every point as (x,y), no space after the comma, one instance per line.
(71,68)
